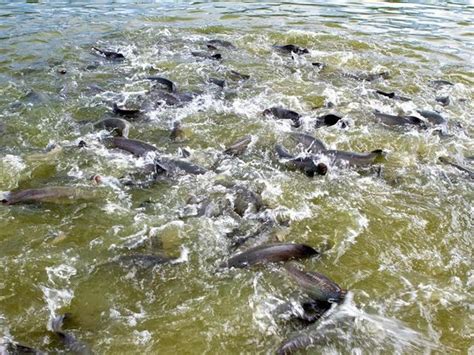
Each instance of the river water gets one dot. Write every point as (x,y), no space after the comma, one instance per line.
(398,237)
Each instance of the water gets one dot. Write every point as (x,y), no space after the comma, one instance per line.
(400,242)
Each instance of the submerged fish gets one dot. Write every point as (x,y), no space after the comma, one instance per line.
(45,194)
(433,117)
(205,55)
(143,261)
(238,76)
(352,158)
(221,43)
(316,285)
(239,146)
(310,144)
(166,82)
(218,82)
(11,348)
(291,48)
(367,76)
(270,253)
(124,111)
(73,345)
(457,166)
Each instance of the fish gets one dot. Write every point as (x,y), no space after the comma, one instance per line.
(238,76)
(270,253)
(306,164)
(73,345)
(142,261)
(246,199)
(433,117)
(109,54)
(457,166)
(392,95)
(220,43)
(310,144)
(352,158)
(283,113)
(291,48)
(114,125)
(170,86)
(177,132)
(392,120)
(134,146)
(316,285)
(11,348)
(295,343)
(443,100)
(318,65)
(174,166)
(367,76)
(441,83)
(328,120)
(218,82)
(238,147)
(175,98)
(124,111)
(45,194)
(205,55)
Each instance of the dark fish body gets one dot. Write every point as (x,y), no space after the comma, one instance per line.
(283,113)
(177,131)
(355,159)
(45,194)
(443,100)
(246,199)
(238,76)
(238,147)
(109,54)
(291,48)
(73,345)
(218,82)
(367,76)
(305,164)
(270,253)
(175,98)
(220,43)
(316,285)
(170,86)
(441,83)
(298,342)
(311,144)
(327,120)
(134,146)
(11,348)
(205,55)
(457,166)
(392,95)
(433,117)
(125,112)
(176,165)
(393,120)
(142,261)
(318,65)
(114,125)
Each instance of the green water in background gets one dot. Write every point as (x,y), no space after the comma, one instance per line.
(401,243)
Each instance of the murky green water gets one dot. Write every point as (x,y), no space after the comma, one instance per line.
(400,242)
